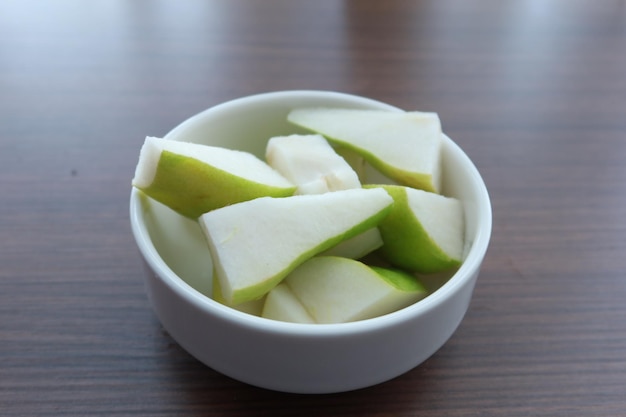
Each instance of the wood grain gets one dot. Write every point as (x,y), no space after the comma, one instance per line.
(535,92)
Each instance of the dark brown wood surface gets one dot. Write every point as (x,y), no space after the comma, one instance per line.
(534,91)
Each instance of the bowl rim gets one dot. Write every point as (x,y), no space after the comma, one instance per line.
(164,273)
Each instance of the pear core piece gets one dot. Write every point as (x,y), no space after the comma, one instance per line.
(404,146)
(311,163)
(255,244)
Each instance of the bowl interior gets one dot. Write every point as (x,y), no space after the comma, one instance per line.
(176,246)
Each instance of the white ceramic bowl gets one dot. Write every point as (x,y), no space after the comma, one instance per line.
(300,358)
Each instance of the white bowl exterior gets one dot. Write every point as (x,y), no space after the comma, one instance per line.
(304,358)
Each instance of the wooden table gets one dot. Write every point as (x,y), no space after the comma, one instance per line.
(533,91)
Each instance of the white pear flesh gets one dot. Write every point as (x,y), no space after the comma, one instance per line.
(357,246)
(424,232)
(404,146)
(253,307)
(255,244)
(339,290)
(311,163)
(354,159)
(281,304)
(192,178)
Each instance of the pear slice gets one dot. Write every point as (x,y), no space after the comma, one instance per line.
(424,231)
(255,244)
(192,179)
(282,304)
(404,146)
(311,163)
(339,290)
